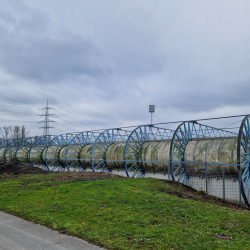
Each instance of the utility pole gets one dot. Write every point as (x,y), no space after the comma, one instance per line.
(46,120)
(151,110)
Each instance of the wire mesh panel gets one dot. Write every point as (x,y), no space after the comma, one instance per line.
(216,183)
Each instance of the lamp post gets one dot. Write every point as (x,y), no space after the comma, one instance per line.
(151,110)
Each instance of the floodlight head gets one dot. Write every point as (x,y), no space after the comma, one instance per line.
(151,108)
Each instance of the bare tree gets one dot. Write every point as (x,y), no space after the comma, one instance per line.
(13,132)
(16,132)
(5,132)
(24,133)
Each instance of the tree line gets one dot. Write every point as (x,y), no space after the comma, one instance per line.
(13,132)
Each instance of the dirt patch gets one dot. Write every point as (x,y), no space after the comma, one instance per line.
(129,236)
(186,192)
(224,237)
(84,176)
(230,224)
(13,168)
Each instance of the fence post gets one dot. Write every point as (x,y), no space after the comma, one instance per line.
(169,170)
(239,179)
(224,198)
(240,191)
(206,176)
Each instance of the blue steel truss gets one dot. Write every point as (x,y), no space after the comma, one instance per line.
(53,160)
(23,149)
(37,151)
(243,159)
(135,140)
(4,144)
(182,135)
(10,150)
(74,149)
(101,144)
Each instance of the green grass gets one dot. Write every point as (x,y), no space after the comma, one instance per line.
(125,213)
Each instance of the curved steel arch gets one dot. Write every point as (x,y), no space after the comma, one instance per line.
(10,150)
(74,149)
(243,159)
(185,132)
(101,144)
(54,149)
(37,150)
(135,140)
(22,151)
(3,146)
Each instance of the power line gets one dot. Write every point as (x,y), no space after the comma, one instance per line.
(17,113)
(63,125)
(70,117)
(1,120)
(233,128)
(69,122)
(46,116)
(17,105)
(166,123)
(231,124)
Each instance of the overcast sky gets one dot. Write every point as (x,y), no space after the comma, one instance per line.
(103,62)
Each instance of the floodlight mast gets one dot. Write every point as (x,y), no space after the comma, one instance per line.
(151,110)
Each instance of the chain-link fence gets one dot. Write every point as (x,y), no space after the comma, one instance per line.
(216,179)
(220,183)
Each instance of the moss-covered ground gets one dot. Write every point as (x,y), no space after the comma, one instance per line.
(126,213)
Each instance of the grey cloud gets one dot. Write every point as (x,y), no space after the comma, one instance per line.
(104,62)
(31,49)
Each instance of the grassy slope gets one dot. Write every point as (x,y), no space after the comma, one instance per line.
(125,213)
